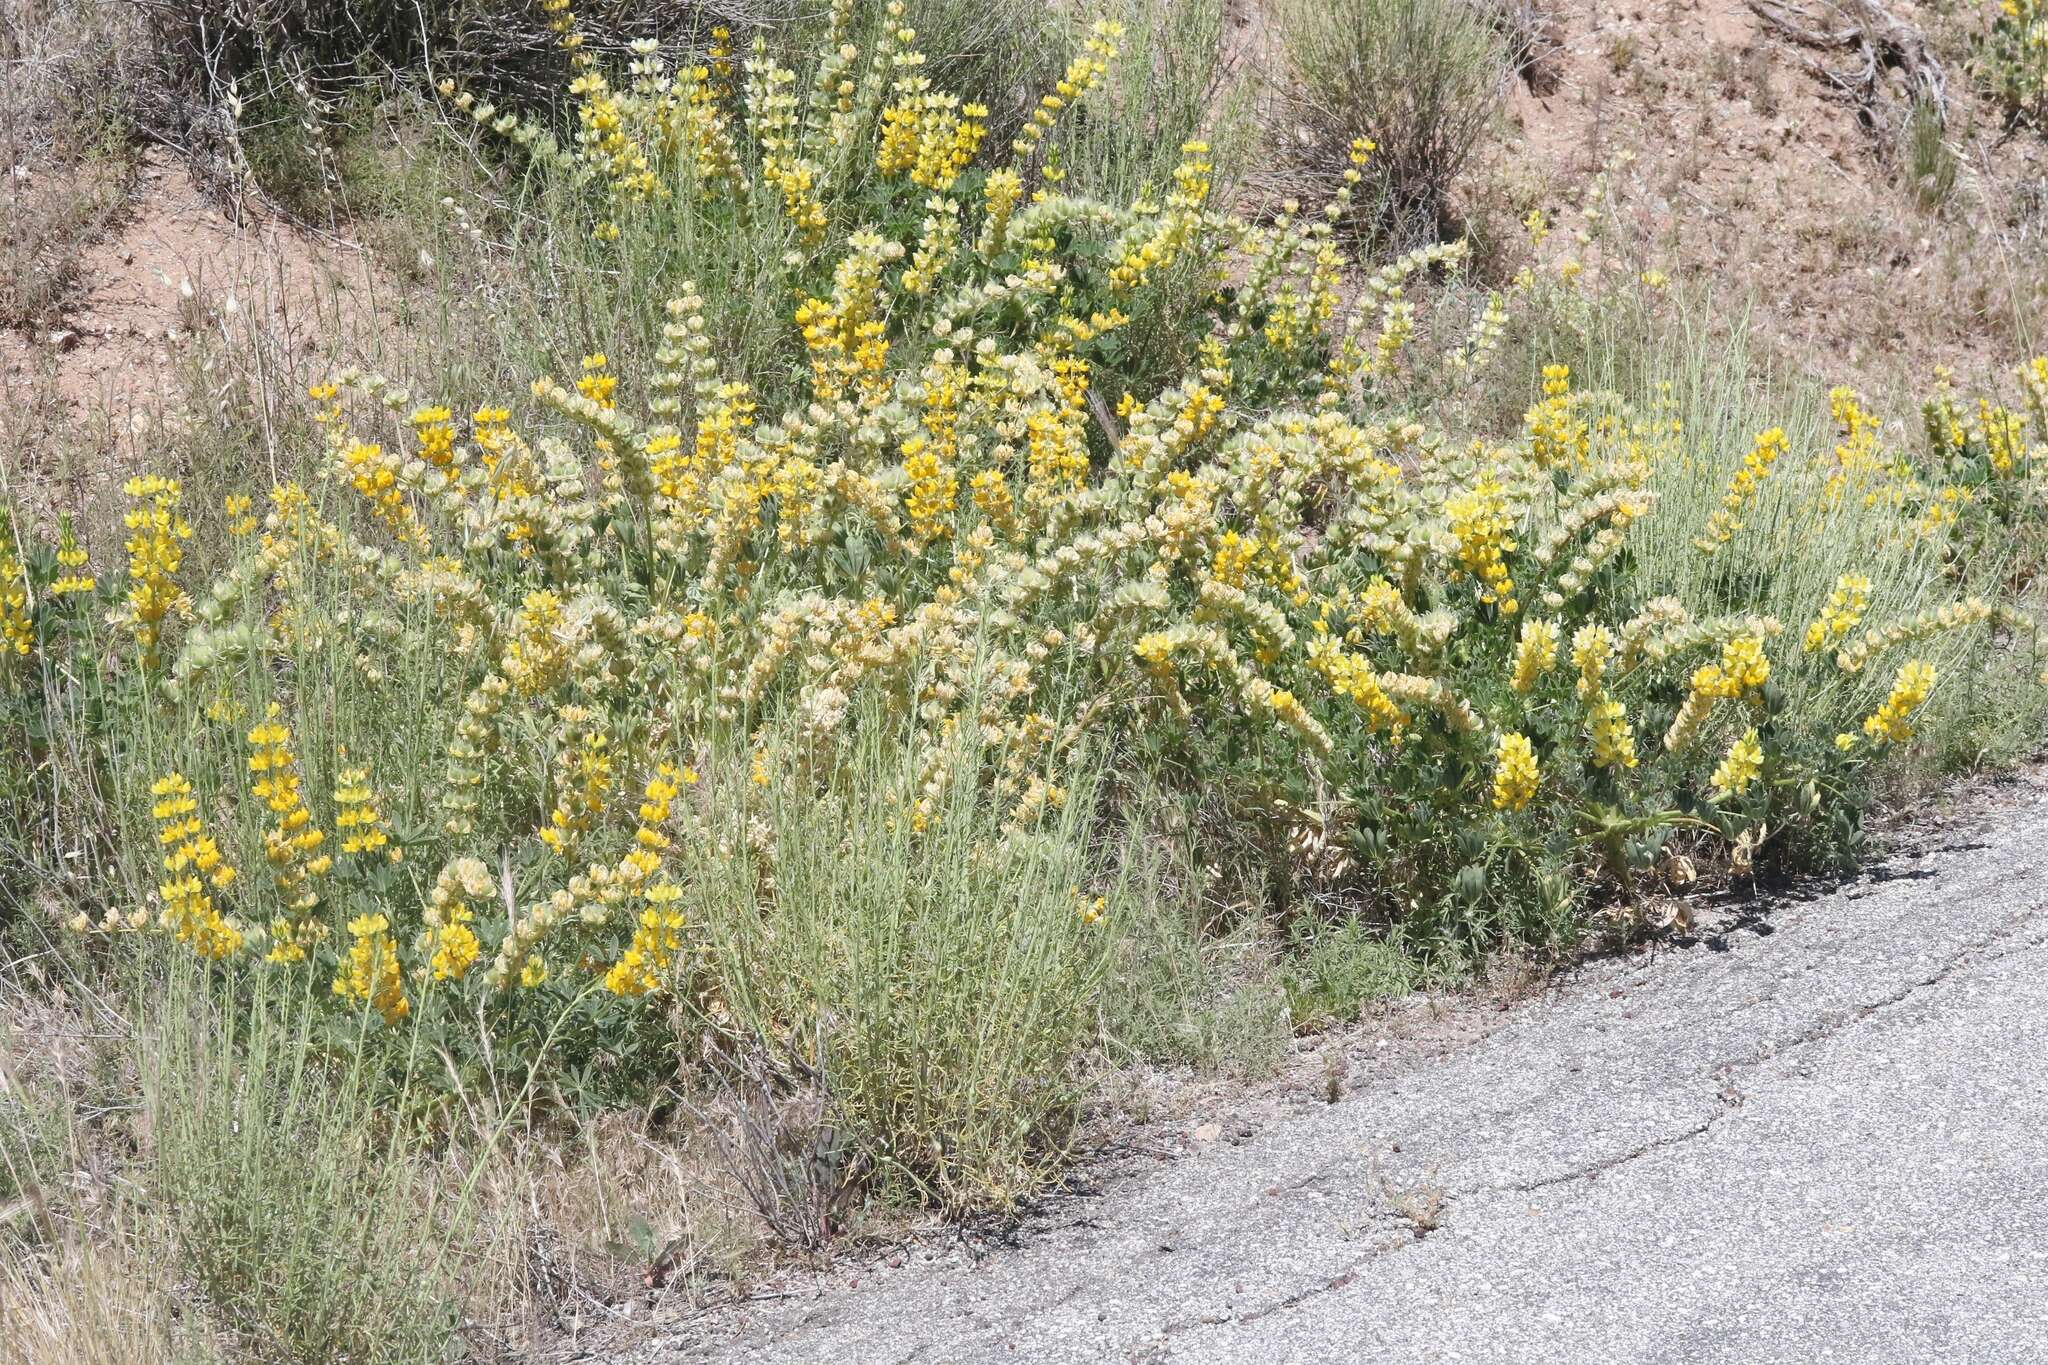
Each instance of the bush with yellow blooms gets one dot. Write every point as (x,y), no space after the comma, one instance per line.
(485,707)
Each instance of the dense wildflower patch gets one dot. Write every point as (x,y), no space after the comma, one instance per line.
(564,650)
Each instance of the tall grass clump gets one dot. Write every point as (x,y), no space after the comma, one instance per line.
(777,670)
(290,1190)
(1174,85)
(943,967)
(211,1177)
(1931,166)
(1419,79)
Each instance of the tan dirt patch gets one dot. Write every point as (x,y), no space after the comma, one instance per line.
(175,263)
(1751,176)
(178,294)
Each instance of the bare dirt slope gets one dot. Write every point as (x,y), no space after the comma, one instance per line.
(177,262)
(180,292)
(1754,173)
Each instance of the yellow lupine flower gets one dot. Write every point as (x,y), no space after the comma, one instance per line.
(1535,654)
(1514,775)
(1614,744)
(1709,684)
(192,864)
(1351,675)
(371,973)
(293,843)
(1756,467)
(72,559)
(373,472)
(597,383)
(448,941)
(17,627)
(434,426)
(1558,437)
(1742,765)
(583,779)
(537,654)
(1592,648)
(2003,433)
(933,490)
(155,553)
(1000,194)
(643,967)
(1480,521)
(1232,562)
(1844,609)
(1892,722)
(356,817)
(1744,667)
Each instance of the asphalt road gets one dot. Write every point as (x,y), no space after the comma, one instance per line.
(1823,1137)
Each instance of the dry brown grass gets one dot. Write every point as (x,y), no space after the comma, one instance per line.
(592,1233)
(82,1304)
(1421,79)
(46,219)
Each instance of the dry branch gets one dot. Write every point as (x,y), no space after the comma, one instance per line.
(1893,69)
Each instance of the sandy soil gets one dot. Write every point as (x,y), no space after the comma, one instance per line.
(180,296)
(1751,172)
(175,263)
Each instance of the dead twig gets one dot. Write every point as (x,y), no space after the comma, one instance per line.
(1893,66)
(776,1129)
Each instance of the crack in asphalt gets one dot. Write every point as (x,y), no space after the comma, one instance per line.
(1840,1022)
(1831,1026)
(1343,1279)
(1594,1170)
